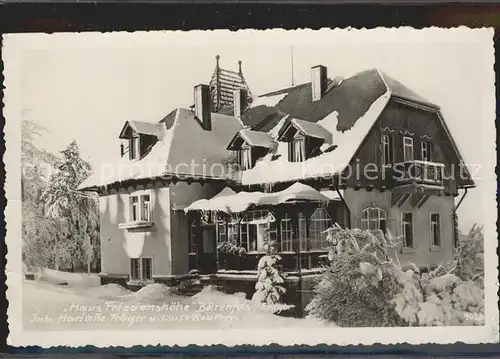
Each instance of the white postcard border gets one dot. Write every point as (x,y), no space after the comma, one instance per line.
(13,47)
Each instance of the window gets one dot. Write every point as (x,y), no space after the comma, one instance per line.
(135,268)
(427,151)
(387,150)
(141,268)
(254,228)
(134,208)
(286,234)
(232,229)
(147,269)
(435,230)
(146,208)
(319,222)
(408,148)
(373,219)
(297,150)
(133,148)
(407,229)
(221,231)
(140,208)
(245,158)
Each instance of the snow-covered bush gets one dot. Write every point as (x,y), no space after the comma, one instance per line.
(366,286)
(269,287)
(452,294)
(441,300)
(357,287)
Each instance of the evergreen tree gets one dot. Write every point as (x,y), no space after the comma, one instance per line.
(78,211)
(39,233)
(269,287)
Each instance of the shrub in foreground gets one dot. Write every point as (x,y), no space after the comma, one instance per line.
(365,284)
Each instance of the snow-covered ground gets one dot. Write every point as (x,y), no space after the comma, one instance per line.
(84,304)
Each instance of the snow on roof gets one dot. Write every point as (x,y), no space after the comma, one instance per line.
(240,202)
(272,170)
(216,201)
(151,165)
(313,130)
(397,89)
(331,194)
(176,153)
(275,131)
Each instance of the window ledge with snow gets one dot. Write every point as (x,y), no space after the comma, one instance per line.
(407,250)
(136,224)
(435,249)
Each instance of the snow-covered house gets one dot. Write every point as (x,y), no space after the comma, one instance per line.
(363,152)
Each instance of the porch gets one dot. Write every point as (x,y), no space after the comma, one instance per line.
(227,232)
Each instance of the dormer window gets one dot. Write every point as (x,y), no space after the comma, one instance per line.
(245,155)
(249,146)
(304,139)
(297,150)
(139,137)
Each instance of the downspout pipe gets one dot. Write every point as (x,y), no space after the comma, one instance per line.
(455,233)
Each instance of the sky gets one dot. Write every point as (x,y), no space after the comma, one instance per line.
(84,87)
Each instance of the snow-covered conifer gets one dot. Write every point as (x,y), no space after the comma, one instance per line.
(269,287)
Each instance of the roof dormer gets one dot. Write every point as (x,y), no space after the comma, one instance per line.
(249,146)
(304,139)
(139,137)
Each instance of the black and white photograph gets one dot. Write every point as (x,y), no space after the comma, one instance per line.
(252,187)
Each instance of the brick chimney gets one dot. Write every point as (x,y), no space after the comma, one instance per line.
(240,101)
(319,82)
(202,106)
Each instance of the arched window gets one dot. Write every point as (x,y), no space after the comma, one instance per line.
(319,222)
(373,219)
(286,233)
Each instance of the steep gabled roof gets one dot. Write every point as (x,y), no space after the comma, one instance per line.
(401,91)
(350,97)
(343,117)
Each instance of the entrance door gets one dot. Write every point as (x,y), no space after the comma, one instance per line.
(207,254)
